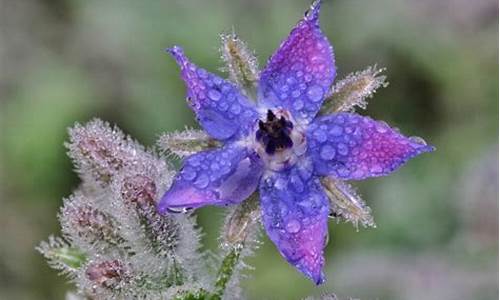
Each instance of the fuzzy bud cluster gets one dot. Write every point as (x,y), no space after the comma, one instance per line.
(115,244)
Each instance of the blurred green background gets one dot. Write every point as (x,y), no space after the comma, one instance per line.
(63,61)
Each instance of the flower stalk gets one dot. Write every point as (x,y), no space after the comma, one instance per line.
(226,270)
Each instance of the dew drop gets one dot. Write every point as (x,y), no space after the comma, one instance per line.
(376,169)
(280,183)
(315,93)
(188,173)
(418,140)
(293,226)
(336,130)
(214,94)
(327,152)
(235,109)
(202,73)
(297,105)
(381,128)
(214,166)
(296,183)
(202,181)
(320,135)
(343,172)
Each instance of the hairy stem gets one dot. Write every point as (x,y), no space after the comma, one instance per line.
(226,270)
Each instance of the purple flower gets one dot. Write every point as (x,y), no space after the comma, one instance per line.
(280,146)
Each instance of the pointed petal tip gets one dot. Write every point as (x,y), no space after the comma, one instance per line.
(421,145)
(429,148)
(175,49)
(314,273)
(312,14)
(161,208)
(319,279)
(177,53)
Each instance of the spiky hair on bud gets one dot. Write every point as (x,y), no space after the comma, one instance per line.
(62,256)
(346,204)
(353,90)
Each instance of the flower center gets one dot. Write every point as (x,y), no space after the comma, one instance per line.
(278,141)
(274,133)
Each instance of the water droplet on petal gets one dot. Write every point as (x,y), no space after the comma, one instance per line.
(202,181)
(202,73)
(315,93)
(214,166)
(214,94)
(342,149)
(381,127)
(280,183)
(298,104)
(336,130)
(188,173)
(376,169)
(343,172)
(418,140)
(293,226)
(327,152)
(235,109)
(296,183)
(320,135)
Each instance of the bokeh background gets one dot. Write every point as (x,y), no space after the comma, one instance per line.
(63,61)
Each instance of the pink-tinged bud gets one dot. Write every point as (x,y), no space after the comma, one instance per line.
(83,222)
(107,274)
(139,190)
(100,151)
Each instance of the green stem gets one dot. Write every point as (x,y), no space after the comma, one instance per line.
(226,270)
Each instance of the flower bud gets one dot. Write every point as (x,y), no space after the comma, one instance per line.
(107,274)
(139,190)
(99,151)
(83,222)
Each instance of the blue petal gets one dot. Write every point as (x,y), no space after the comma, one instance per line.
(295,214)
(218,104)
(218,177)
(350,146)
(299,74)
